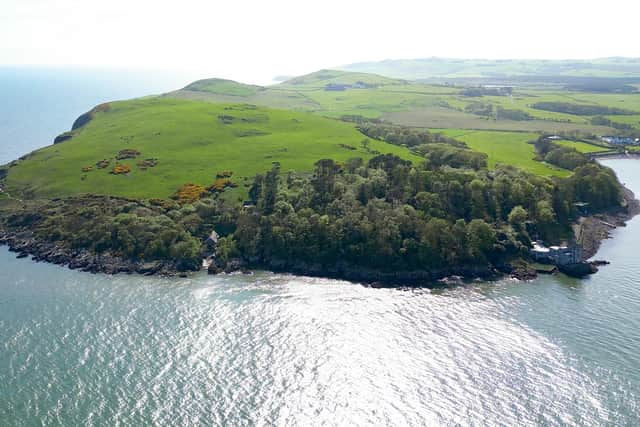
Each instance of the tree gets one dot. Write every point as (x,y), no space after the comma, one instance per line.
(518,216)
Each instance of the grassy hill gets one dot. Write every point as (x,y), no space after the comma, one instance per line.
(429,68)
(223,87)
(495,117)
(180,142)
(324,77)
(337,93)
(508,148)
(217,125)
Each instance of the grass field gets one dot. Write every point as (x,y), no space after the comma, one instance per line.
(582,147)
(223,87)
(191,143)
(415,104)
(509,148)
(438,117)
(294,125)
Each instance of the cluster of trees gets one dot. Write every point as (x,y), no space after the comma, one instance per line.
(604,121)
(401,135)
(581,109)
(131,229)
(602,84)
(479,108)
(438,155)
(387,214)
(391,215)
(559,155)
(509,114)
(488,110)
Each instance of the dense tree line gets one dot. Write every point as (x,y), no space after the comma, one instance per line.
(486,91)
(131,229)
(488,110)
(401,135)
(509,114)
(391,215)
(604,121)
(581,109)
(386,214)
(624,128)
(479,108)
(559,155)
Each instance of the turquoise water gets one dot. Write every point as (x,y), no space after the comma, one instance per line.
(268,349)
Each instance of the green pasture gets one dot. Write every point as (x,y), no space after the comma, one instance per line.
(193,141)
(509,148)
(582,147)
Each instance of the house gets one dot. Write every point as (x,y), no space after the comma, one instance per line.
(618,140)
(559,255)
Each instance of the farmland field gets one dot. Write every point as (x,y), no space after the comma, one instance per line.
(438,117)
(582,146)
(509,148)
(417,104)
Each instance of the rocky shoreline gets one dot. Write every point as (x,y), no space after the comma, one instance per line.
(593,229)
(25,244)
(380,279)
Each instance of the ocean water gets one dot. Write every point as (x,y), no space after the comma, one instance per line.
(272,349)
(39,103)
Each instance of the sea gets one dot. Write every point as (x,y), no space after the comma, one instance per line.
(275,349)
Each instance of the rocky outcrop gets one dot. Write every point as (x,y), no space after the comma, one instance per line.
(343,271)
(63,137)
(592,230)
(89,115)
(579,270)
(25,244)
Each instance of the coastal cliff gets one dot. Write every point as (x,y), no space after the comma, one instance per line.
(591,230)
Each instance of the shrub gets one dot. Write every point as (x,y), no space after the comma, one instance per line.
(147,163)
(120,169)
(102,164)
(128,153)
(189,193)
(220,184)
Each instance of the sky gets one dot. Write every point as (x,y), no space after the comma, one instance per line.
(253,41)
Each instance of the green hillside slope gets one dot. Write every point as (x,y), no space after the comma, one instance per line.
(179,142)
